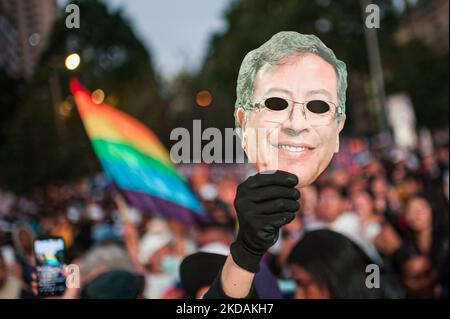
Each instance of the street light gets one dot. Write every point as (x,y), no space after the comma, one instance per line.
(72,61)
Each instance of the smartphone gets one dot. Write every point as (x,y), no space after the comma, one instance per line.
(50,254)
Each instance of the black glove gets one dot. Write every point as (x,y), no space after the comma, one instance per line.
(264,203)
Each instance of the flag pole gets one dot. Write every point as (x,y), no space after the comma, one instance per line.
(130,233)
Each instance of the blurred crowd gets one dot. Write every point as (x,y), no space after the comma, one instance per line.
(390,203)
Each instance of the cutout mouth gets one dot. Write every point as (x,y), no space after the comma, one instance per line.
(293,148)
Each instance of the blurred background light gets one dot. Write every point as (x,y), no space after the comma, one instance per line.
(204,98)
(98,96)
(34,39)
(72,61)
(65,108)
(323,25)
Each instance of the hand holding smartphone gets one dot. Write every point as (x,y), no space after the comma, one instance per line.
(50,260)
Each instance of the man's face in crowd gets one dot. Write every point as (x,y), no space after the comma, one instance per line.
(419,277)
(330,205)
(294,145)
(363,205)
(418,215)
(307,287)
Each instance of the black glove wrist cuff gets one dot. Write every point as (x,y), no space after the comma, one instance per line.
(243,258)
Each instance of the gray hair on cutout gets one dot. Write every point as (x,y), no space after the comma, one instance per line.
(280,46)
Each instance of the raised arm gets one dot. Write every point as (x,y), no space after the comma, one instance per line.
(264,203)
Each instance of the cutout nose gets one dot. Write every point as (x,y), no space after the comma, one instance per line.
(297,121)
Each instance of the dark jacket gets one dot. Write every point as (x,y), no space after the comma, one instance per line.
(216,290)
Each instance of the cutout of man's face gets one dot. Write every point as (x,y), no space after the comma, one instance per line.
(293,145)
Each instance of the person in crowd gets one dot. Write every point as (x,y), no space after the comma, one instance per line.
(214,235)
(104,257)
(10,286)
(416,273)
(376,228)
(385,201)
(331,210)
(63,228)
(195,283)
(428,230)
(115,284)
(337,270)
(156,256)
(308,203)
(23,237)
(293,87)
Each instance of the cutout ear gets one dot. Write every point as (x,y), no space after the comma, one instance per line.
(336,150)
(239,116)
(340,127)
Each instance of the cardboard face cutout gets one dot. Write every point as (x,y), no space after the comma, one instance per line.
(295,114)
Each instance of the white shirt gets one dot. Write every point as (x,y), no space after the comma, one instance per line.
(349,224)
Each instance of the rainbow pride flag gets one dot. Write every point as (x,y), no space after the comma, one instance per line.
(136,162)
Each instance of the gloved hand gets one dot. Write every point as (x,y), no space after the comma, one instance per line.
(264,203)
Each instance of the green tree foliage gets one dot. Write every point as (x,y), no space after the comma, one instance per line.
(11,90)
(415,69)
(42,145)
(340,26)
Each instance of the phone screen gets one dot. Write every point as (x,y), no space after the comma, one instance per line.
(50,258)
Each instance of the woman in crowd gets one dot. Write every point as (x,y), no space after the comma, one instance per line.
(336,270)
(428,228)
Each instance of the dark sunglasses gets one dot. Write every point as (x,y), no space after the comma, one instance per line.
(314,106)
